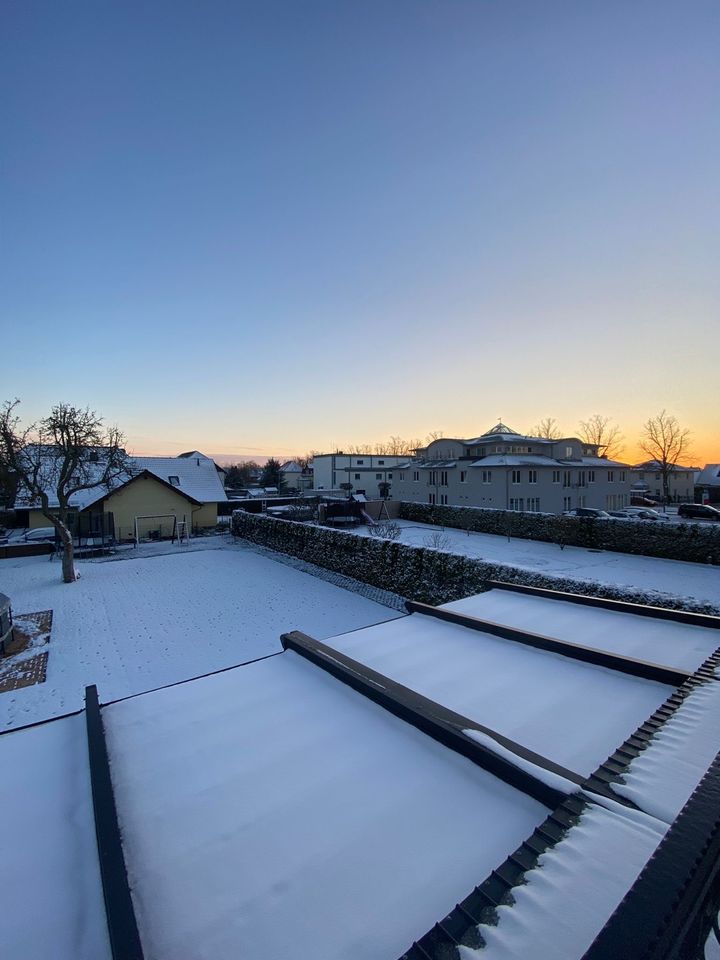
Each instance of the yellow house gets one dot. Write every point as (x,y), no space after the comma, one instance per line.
(161,491)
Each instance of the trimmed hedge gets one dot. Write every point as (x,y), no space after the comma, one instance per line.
(677,541)
(418,573)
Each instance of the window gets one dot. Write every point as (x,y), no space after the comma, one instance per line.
(378,476)
(359,463)
(622,476)
(516,476)
(556,476)
(566,478)
(431,498)
(611,476)
(582,500)
(568,452)
(443,478)
(533,504)
(532,476)
(567,503)
(175,481)
(93,456)
(582,480)
(516,503)
(389,476)
(402,476)
(443,499)
(381,463)
(357,476)
(432,480)
(463,476)
(487,476)
(416,476)
(591,476)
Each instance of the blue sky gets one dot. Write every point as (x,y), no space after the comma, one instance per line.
(265,227)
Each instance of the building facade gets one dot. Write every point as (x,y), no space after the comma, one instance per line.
(648,482)
(501,470)
(363,471)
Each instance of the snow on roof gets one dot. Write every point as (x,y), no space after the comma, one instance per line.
(709,476)
(290,466)
(515,460)
(645,638)
(310,824)
(197,476)
(52,900)
(443,661)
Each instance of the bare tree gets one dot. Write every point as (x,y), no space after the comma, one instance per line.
(434,435)
(437,541)
(602,433)
(665,442)
(385,530)
(68,452)
(548,429)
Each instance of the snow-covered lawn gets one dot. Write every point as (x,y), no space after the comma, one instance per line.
(134,624)
(648,574)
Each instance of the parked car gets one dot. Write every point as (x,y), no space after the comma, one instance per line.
(619,515)
(40,534)
(698,511)
(587,512)
(645,513)
(643,502)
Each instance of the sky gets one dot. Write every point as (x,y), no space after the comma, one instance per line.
(257,228)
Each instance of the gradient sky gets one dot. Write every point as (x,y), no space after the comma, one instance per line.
(264,227)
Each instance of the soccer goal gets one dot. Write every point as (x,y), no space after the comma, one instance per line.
(156,527)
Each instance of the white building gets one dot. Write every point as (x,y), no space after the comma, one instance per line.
(501,469)
(363,471)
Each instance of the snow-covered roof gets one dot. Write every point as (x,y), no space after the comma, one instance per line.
(535,459)
(197,476)
(194,474)
(290,466)
(515,460)
(709,476)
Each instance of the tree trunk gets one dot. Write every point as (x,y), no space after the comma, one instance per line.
(68,556)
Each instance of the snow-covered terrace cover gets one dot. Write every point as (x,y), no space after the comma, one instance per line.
(572,713)
(271,812)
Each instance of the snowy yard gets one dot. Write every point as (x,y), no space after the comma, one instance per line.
(648,574)
(130,625)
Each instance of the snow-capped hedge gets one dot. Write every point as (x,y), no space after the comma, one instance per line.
(418,573)
(672,541)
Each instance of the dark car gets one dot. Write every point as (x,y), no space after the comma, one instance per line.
(587,512)
(698,511)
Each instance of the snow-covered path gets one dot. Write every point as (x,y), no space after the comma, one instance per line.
(136,624)
(648,574)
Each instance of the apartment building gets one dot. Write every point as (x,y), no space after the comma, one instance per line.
(363,471)
(506,470)
(648,482)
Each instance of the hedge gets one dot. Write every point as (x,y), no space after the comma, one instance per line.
(650,538)
(418,573)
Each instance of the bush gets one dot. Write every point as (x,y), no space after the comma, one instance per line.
(677,541)
(417,573)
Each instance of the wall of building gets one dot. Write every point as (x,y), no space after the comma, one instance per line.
(145,497)
(332,469)
(530,488)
